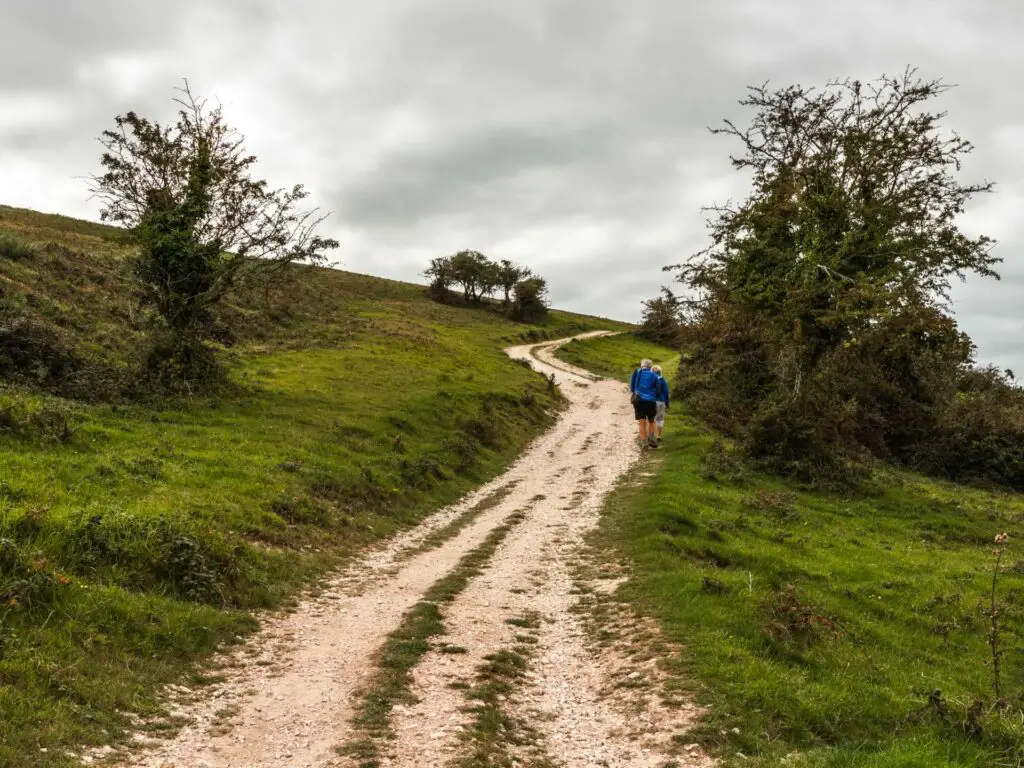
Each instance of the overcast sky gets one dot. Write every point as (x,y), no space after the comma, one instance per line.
(569,135)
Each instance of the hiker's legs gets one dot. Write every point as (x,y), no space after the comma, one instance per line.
(643,412)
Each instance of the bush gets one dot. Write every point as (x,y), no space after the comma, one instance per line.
(202,226)
(14,248)
(36,354)
(820,337)
(780,504)
(464,451)
(723,465)
(27,583)
(662,319)
(167,554)
(45,420)
(530,302)
(182,366)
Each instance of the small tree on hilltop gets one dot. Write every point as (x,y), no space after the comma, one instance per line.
(489,279)
(441,276)
(508,275)
(202,224)
(469,270)
(530,300)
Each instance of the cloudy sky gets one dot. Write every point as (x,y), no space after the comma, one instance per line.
(566,134)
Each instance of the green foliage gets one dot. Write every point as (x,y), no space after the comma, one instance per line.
(662,319)
(441,275)
(523,293)
(530,303)
(34,418)
(202,224)
(821,336)
(475,273)
(827,630)
(14,248)
(509,276)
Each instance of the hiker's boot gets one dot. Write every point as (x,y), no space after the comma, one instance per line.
(652,442)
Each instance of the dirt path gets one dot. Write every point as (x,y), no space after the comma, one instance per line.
(291,694)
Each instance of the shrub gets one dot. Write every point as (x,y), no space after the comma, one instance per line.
(789,621)
(781,504)
(821,337)
(662,319)
(27,583)
(45,420)
(421,472)
(530,302)
(721,464)
(202,225)
(14,248)
(463,450)
(36,354)
(182,365)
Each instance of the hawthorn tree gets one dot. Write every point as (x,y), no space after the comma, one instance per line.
(202,224)
(530,300)
(821,322)
(662,318)
(508,275)
(441,277)
(470,270)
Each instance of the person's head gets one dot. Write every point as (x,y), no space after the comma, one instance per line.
(646,363)
(656,369)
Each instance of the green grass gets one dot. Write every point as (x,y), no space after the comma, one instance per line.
(890,588)
(616,357)
(495,738)
(137,537)
(407,644)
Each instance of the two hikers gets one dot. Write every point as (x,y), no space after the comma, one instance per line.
(648,390)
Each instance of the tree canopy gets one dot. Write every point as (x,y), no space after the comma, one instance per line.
(821,304)
(523,294)
(202,223)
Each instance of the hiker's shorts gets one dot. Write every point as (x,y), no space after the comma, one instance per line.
(645,409)
(659,414)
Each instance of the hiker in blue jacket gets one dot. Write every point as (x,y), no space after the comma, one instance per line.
(644,389)
(661,406)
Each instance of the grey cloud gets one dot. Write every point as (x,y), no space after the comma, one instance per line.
(568,136)
(459,173)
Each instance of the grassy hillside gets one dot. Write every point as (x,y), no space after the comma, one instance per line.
(616,357)
(135,535)
(888,604)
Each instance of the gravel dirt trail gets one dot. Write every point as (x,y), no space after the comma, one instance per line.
(290,693)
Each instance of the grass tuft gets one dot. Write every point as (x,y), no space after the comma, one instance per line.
(496,738)
(407,644)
